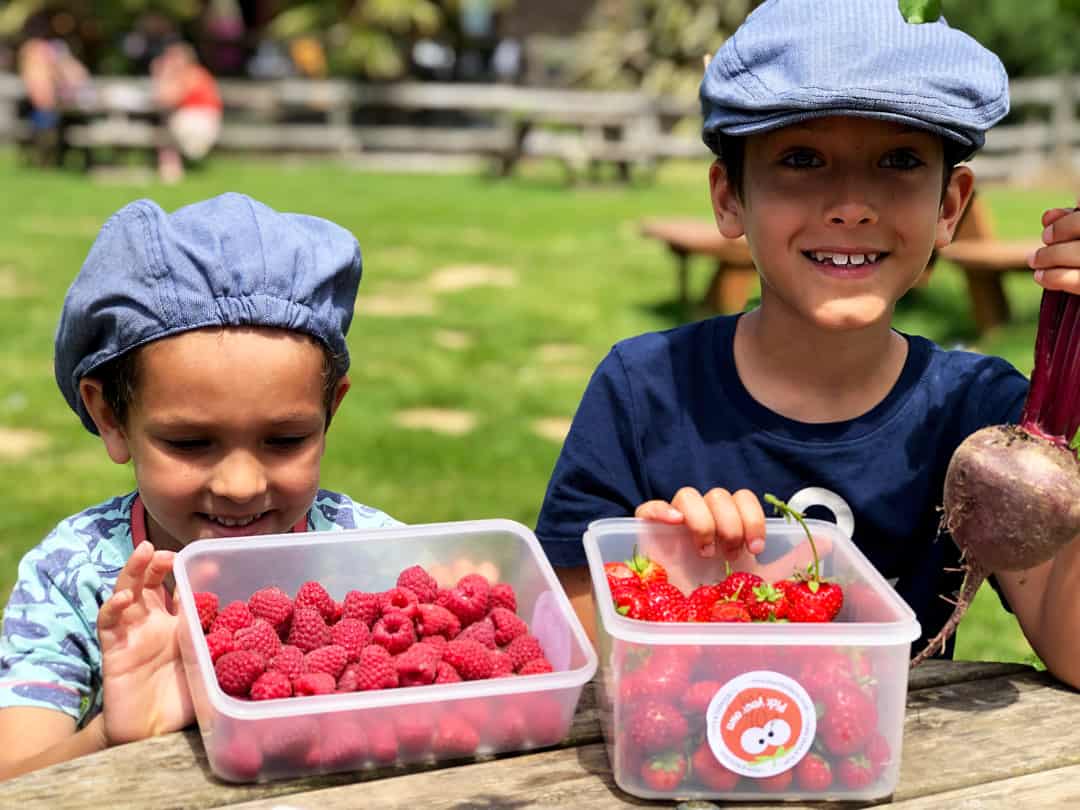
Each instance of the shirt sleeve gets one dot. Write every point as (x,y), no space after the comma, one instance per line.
(597,474)
(49,657)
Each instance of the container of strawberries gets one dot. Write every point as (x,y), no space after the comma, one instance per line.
(782,676)
(333,651)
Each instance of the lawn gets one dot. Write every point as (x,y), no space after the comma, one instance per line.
(484,307)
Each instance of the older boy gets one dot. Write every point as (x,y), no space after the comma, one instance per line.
(838,129)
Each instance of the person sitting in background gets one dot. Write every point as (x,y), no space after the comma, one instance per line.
(189,95)
(54,78)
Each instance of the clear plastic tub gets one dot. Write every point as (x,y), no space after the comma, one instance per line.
(756,703)
(262,740)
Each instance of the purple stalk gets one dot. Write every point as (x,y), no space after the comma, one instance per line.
(1052,409)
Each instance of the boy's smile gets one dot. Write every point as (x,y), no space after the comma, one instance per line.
(225,432)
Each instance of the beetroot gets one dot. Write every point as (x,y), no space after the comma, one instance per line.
(1012,492)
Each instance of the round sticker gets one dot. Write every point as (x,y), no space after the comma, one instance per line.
(760,723)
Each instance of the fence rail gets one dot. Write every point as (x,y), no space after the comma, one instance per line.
(509,122)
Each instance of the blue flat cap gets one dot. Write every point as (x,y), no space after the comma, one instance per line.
(226,261)
(792,60)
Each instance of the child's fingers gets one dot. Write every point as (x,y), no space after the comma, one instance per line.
(160,566)
(753,520)
(109,614)
(132,575)
(698,519)
(660,511)
(727,522)
(1062,225)
(1059,278)
(1052,215)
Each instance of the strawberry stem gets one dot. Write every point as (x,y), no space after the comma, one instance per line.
(781,508)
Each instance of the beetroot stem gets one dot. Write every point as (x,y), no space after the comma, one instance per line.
(1049,318)
(1058,396)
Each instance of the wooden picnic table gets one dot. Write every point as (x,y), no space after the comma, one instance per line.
(976,735)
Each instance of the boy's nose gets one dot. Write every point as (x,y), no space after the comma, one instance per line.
(851,211)
(239,476)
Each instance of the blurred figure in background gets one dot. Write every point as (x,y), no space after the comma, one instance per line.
(188,95)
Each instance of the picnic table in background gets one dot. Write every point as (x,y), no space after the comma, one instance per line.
(982,735)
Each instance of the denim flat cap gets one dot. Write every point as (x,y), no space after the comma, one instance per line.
(226,261)
(792,60)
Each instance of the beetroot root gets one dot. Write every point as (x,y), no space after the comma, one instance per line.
(1012,500)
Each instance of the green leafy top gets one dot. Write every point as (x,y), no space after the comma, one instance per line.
(781,508)
(920,11)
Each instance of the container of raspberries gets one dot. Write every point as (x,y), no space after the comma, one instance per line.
(781,676)
(332,651)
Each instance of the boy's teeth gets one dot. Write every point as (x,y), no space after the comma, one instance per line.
(842,259)
(231,523)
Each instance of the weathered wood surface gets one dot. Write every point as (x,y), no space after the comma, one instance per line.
(967,724)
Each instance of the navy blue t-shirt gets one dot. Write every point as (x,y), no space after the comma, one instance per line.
(667,409)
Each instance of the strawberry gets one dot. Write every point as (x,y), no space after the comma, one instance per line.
(777,783)
(237,670)
(697,697)
(259,636)
(362,606)
(353,635)
(630,600)
(502,595)
(508,625)
(289,661)
(855,771)
(649,571)
(618,573)
(767,603)
(273,605)
(399,599)
(420,582)
(814,600)
(417,666)
(848,720)
(314,683)
(877,751)
(664,772)
(471,659)
(709,772)
(665,675)
(394,631)
(739,585)
(271,685)
(313,596)
(308,630)
(819,671)
(455,737)
(435,620)
(666,602)
(657,725)
(700,602)
(232,617)
(729,610)
(330,659)
(206,604)
(813,773)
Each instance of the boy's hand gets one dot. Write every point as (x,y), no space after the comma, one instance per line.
(145,689)
(1057,266)
(733,522)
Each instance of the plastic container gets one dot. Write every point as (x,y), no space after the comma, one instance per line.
(748,694)
(262,740)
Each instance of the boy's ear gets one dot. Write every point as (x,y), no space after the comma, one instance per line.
(954,202)
(342,389)
(725,203)
(109,428)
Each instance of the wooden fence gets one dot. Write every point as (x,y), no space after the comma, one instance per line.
(507,123)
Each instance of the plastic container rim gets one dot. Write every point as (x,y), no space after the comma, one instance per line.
(386,698)
(870,634)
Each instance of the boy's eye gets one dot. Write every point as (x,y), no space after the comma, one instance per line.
(901,159)
(188,445)
(286,441)
(802,159)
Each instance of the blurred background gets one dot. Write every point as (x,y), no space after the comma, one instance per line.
(500,161)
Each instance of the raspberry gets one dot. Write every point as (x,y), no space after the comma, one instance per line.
(455,737)
(314,683)
(206,604)
(273,605)
(375,669)
(271,685)
(260,637)
(438,642)
(237,670)
(433,620)
(353,635)
(414,731)
(394,631)
(482,631)
(347,682)
(330,659)
(290,661)
(342,745)
(241,757)
(508,625)
(509,729)
(234,616)
(314,596)
(382,742)
(417,665)
(308,630)
(471,659)
(444,673)
(524,649)
(502,664)
(502,595)
(535,667)
(362,606)
(420,582)
(468,600)
(401,599)
(220,642)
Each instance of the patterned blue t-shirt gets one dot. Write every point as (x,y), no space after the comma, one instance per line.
(49,652)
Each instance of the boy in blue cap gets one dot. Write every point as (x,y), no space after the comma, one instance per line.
(207,347)
(838,130)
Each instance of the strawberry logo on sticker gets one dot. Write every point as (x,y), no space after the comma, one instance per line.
(760,723)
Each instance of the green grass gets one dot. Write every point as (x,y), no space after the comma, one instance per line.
(584,279)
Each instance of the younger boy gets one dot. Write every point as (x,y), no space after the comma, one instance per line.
(207,347)
(838,128)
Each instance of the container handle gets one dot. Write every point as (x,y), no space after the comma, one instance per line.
(819,496)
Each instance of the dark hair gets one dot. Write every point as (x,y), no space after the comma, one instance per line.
(730,151)
(119,380)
